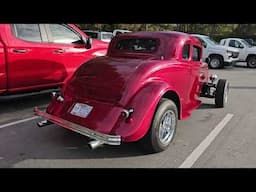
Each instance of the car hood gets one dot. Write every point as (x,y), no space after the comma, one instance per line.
(103,78)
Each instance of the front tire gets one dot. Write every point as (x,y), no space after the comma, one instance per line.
(216,62)
(221,95)
(163,127)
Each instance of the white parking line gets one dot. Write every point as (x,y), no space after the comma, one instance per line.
(17,122)
(197,152)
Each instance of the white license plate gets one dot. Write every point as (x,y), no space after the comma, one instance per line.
(81,110)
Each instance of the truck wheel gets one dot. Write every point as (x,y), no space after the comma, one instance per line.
(163,127)
(251,62)
(216,62)
(221,96)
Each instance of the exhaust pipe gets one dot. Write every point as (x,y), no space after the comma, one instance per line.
(95,144)
(43,123)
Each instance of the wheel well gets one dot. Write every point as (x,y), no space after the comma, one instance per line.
(211,55)
(250,55)
(175,98)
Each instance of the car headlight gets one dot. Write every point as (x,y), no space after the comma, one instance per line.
(229,53)
(233,54)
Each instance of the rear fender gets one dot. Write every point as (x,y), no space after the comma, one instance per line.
(144,104)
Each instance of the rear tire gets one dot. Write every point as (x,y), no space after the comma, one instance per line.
(221,96)
(251,62)
(163,127)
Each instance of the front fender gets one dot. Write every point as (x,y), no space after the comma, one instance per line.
(144,104)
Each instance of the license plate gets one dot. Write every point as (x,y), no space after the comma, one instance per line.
(81,110)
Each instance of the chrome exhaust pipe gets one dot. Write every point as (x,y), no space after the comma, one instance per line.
(43,123)
(95,144)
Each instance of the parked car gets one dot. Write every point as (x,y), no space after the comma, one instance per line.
(247,52)
(101,35)
(120,31)
(219,55)
(251,42)
(41,56)
(138,91)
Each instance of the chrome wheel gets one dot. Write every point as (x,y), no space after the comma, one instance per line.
(252,62)
(163,127)
(167,127)
(215,63)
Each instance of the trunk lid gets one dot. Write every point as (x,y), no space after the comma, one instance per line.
(103,79)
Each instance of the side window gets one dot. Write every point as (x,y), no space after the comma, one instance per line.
(223,42)
(28,32)
(185,51)
(196,53)
(239,45)
(236,44)
(232,43)
(62,34)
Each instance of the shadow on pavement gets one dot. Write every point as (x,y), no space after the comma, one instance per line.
(16,103)
(207,106)
(27,141)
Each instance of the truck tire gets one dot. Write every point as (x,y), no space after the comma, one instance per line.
(163,127)
(221,95)
(251,62)
(216,62)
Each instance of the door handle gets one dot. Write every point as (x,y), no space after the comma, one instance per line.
(20,50)
(59,51)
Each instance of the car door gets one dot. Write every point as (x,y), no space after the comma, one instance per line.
(69,45)
(182,79)
(30,66)
(239,45)
(197,74)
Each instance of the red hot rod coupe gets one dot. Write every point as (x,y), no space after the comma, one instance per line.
(138,91)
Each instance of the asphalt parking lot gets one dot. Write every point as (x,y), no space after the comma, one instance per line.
(210,138)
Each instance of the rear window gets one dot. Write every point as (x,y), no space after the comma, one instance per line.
(137,45)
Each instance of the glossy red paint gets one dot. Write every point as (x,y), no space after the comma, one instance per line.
(29,65)
(3,79)
(134,80)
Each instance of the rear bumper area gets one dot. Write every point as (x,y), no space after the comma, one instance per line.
(104,138)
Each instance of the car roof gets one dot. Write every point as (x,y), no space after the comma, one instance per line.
(199,35)
(230,38)
(157,34)
(94,31)
(169,41)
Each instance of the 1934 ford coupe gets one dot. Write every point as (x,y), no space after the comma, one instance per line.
(138,91)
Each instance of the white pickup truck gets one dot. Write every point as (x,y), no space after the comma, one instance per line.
(218,56)
(247,52)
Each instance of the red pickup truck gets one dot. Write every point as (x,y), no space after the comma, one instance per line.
(41,56)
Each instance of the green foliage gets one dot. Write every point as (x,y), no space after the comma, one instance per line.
(215,30)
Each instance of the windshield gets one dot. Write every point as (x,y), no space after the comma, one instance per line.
(211,41)
(107,36)
(137,45)
(246,43)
